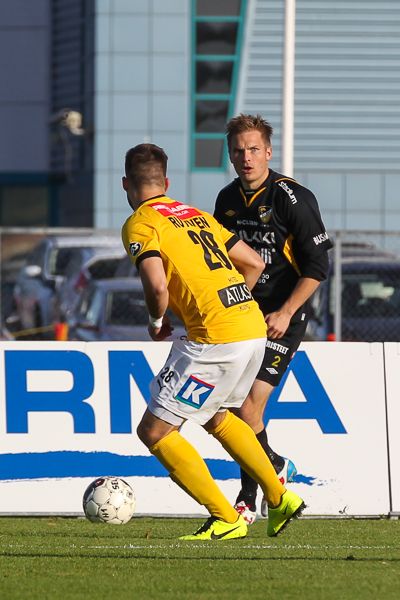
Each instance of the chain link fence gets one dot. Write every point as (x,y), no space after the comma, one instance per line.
(360,300)
(46,274)
(79,284)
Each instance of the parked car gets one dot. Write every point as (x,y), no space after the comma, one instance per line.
(42,277)
(126,268)
(100,266)
(370,299)
(10,268)
(114,309)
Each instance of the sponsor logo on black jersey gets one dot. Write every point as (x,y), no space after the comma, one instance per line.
(135,248)
(230,213)
(289,192)
(235,294)
(265,213)
(248,222)
(322,237)
(256,236)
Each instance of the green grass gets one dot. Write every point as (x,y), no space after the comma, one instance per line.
(63,559)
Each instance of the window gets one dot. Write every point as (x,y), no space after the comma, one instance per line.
(24,206)
(60,258)
(217,32)
(374,292)
(126,308)
(93,308)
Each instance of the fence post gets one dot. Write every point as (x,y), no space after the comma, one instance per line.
(337,322)
(1,285)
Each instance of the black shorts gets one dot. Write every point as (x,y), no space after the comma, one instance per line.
(279,352)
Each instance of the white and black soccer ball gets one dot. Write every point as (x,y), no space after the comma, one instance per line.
(109,500)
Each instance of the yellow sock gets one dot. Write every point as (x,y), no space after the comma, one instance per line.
(190,472)
(240,442)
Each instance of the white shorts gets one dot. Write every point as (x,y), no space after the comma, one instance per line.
(199,380)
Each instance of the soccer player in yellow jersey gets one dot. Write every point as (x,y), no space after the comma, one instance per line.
(204,273)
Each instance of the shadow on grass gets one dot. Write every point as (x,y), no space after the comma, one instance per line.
(198,558)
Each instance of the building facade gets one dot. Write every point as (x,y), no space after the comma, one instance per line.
(172,73)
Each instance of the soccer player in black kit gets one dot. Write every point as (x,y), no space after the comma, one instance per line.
(279,219)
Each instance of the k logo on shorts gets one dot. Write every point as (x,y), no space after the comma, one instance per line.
(195,392)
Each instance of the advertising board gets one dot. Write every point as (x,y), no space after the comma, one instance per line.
(392,365)
(69,412)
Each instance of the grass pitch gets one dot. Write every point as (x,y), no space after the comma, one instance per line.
(70,559)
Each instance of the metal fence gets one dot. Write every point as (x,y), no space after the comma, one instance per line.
(360,300)
(79,284)
(46,273)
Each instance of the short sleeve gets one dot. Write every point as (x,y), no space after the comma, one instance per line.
(140,239)
(303,221)
(228,237)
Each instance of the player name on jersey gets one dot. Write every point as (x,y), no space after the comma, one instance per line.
(181,215)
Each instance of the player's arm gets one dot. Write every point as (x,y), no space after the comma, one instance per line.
(247,262)
(313,269)
(310,255)
(152,274)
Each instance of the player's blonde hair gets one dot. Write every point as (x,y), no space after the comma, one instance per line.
(244,123)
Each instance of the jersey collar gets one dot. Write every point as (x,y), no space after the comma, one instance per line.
(152,198)
(250,195)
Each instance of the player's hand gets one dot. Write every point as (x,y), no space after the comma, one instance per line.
(277,323)
(159,334)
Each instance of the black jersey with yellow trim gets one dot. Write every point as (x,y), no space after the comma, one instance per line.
(281,221)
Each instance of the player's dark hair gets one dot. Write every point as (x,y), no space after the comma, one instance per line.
(244,123)
(146,164)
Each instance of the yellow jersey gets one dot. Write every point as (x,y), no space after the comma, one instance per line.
(205,290)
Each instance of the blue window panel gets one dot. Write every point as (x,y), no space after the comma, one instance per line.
(217,31)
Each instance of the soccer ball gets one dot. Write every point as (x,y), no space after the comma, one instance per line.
(109,500)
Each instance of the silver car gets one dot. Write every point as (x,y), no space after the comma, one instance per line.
(39,281)
(115,309)
(102,265)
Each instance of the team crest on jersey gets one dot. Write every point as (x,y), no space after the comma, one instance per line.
(265,213)
(135,248)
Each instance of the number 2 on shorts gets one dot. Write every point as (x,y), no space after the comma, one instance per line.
(276,361)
